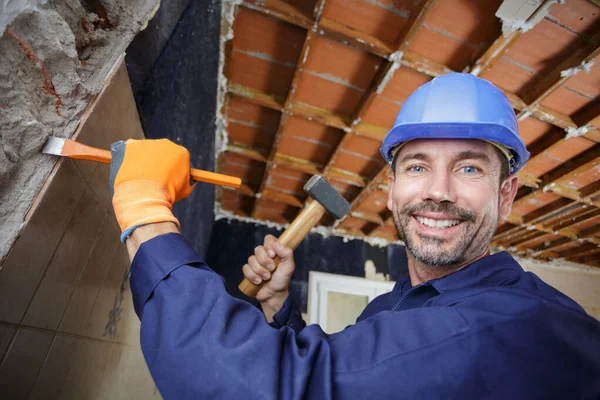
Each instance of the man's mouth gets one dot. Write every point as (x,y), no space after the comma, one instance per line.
(437,223)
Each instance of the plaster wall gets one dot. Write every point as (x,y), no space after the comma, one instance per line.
(54,58)
(580,284)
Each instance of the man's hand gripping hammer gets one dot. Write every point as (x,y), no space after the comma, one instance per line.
(325,198)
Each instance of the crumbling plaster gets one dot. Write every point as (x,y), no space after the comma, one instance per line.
(54,58)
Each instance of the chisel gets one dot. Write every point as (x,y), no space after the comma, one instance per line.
(72,149)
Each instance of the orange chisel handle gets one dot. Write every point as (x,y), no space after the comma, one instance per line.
(76,150)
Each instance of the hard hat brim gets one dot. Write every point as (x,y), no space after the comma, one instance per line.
(481,131)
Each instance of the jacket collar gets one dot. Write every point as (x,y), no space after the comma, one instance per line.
(493,270)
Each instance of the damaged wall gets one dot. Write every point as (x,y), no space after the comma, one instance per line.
(67,325)
(55,57)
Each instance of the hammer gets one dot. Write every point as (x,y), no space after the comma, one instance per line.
(325,198)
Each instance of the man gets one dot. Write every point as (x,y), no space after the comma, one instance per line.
(465,324)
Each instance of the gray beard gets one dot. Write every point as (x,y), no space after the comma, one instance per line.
(429,251)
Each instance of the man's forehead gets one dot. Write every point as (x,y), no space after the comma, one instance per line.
(449,147)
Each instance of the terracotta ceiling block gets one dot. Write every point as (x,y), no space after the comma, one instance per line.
(248,134)
(258,34)
(306,5)
(531,203)
(346,190)
(375,203)
(404,83)
(582,179)
(235,202)
(542,46)
(249,171)
(589,223)
(382,112)
(308,140)
(353,223)
(327,93)
(587,83)
(386,233)
(567,149)
(508,76)
(540,165)
(350,66)
(361,156)
(565,101)
(439,46)
(578,15)
(532,129)
(380,18)
(471,21)
(274,211)
(287,181)
(241,110)
(544,239)
(259,74)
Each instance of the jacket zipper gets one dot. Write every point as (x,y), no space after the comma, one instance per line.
(407,295)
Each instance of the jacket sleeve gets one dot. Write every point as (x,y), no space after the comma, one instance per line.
(199,342)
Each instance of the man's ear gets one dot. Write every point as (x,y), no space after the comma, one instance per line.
(508,191)
(390,200)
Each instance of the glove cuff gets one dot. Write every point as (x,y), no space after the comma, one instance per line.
(141,202)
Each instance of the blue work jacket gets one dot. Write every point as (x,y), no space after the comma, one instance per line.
(488,331)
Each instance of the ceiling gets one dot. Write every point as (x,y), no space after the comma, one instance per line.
(313,87)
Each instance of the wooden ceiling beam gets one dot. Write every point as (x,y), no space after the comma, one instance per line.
(578,61)
(247,152)
(410,59)
(256,96)
(296,164)
(494,53)
(354,38)
(388,69)
(281,10)
(367,190)
(584,257)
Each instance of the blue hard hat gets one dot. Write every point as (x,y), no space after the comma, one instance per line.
(458,106)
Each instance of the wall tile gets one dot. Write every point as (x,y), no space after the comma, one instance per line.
(22,364)
(54,372)
(7,333)
(71,256)
(126,377)
(106,317)
(87,370)
(99,185)
(110,118)
(87,289)
(23,269)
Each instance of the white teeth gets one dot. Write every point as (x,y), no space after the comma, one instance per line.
(438,223)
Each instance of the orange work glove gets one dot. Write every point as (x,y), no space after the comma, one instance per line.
(147,177)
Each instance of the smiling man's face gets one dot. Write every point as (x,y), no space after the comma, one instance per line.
(446,199)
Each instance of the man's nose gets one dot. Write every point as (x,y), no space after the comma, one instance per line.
(439,187)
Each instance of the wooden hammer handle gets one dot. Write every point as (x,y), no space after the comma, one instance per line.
(293,235)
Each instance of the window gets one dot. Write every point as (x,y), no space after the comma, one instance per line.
(335,301)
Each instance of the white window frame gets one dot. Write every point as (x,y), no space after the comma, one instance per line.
(321,283)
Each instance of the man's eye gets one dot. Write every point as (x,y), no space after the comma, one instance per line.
(470,170)
(416,168)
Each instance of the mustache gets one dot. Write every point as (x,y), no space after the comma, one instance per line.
(444,208)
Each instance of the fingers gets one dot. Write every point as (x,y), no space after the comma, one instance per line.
(259,266)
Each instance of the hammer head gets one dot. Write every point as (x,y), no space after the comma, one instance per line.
(320,190)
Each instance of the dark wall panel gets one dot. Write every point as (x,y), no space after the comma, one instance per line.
(176,95)
(232,242)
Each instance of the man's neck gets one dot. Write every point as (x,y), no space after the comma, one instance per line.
(420,273)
